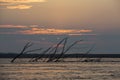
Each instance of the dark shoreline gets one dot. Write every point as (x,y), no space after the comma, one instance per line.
(75,55)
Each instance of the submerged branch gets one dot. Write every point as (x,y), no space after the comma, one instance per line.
(41,56)
(52,57)
(33,50)
(88,52)
(63,52)
(22,52)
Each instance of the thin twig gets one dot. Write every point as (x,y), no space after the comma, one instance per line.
(87,52)
(33,50)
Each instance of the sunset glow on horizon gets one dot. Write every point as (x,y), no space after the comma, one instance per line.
(35,29)
(61,17)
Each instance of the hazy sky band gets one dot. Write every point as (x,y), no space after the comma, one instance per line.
(61,17)
(94,14)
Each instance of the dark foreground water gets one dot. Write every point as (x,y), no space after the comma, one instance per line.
(59,71)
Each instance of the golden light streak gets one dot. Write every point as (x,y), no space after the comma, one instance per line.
(19,7)
(54,31)
(13,26)
(22,1)
(18,4)
(35,29)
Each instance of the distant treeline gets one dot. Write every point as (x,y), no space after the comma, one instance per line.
(73,55)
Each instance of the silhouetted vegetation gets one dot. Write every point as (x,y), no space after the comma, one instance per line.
(72,55)
(24,51)
(57,52)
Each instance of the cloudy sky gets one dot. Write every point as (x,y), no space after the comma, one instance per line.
(45,22)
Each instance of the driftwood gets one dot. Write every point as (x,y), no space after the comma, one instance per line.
(24,51)
(50,50)
(87,52)
(24,48)
(33,50)
(49,54)
(65,51)
(52,56)
(92,60)
(41,56)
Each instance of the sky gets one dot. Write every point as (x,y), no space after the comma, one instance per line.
(46,22)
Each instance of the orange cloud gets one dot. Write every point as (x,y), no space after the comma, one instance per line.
(19,7)
(74,34)
(18,4)
(85,31)
(78,34)
(35,29)
(22,1)
(53,31)
(13,26)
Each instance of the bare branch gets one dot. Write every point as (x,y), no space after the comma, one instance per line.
(56,48)
(63,52)
(33,50)
(88,51)
(43,53)
(22,52)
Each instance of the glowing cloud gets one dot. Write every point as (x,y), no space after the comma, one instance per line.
(19,7)
(85,31)
(13,26)
(22,1)
(53,31)
(35,29)
(18,4)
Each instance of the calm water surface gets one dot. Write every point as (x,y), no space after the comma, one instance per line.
(59,71)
